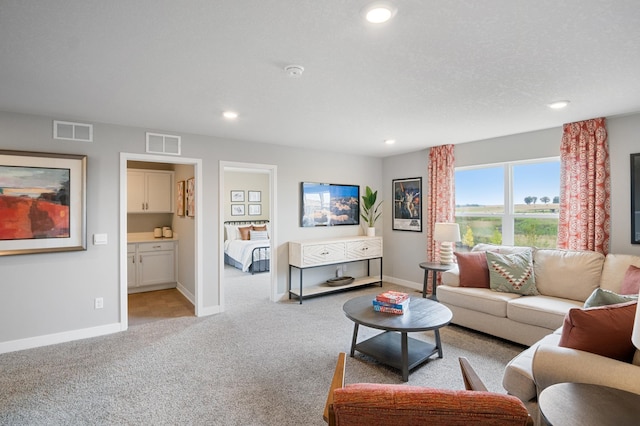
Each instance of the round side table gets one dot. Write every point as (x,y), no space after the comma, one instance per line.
(435,267)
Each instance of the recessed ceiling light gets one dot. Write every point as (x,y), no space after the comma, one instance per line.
(390,141)
(230,115)
(558,104)
(379,12)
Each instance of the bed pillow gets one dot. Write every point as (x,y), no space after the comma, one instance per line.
(258,235)
(631,281)
(512,273)
(244,232)
(232,232)
(473,268)
(604,330)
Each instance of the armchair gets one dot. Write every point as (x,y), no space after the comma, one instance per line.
(369,404)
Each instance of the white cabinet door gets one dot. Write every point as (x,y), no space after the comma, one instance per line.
(131,270)
(136,198)
(318,254)
(156,268)
(159,192)
(364,249)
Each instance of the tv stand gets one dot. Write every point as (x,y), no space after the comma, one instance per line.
(316,253)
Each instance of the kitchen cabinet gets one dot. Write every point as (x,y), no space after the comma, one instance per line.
(149,191)
(312,254)
(151,266)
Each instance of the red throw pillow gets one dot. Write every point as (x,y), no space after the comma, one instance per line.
(603,330)
(631,281)
(474,271)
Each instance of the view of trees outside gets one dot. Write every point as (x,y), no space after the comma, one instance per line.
(525,215)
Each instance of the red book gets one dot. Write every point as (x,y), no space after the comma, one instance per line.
(391,296)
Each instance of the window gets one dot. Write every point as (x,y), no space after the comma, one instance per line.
(512,203)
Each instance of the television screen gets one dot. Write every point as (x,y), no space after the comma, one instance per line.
(328,204)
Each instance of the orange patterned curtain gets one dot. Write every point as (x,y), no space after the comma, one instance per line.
(440,194)
(584,187)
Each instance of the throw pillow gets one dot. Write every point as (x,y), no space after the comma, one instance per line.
(631,281)
(604,330)
(602,297)
(258,235)
(512,273)
(259,227)
(473,268)
(244,232)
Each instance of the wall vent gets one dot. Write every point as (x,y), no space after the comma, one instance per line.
(67,130)
(158,143)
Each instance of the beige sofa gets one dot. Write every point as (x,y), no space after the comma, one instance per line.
(565,279)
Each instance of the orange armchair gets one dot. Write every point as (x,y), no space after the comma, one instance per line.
(369,404)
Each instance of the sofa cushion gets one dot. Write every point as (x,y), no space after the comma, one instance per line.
(601,297)
(568,274)
(512,273)
(614,269)
(451,277)
(473,268)
(477,299)
(541,311)
(604,330)
(631,281)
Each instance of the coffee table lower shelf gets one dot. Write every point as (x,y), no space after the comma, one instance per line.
(387,348)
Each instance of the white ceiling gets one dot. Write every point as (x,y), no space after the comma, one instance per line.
(439,72)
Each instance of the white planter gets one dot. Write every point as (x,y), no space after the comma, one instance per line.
(371,231)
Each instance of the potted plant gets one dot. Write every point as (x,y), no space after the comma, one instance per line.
(370,210)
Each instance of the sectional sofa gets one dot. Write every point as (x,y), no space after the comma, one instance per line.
(564,279)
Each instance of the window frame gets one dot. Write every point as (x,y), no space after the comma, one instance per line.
(509,216)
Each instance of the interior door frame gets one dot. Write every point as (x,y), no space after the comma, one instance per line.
(273,215)
(149,158)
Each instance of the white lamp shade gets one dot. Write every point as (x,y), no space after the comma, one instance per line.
(635,334)
(449,232)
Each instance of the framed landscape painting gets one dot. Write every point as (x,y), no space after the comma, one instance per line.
(407,205)
(42,202)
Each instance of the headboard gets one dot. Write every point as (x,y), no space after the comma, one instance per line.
(242,222)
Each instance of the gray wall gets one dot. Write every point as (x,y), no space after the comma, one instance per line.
(405,250)
(47,294)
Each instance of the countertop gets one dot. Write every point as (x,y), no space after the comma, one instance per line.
(145,237)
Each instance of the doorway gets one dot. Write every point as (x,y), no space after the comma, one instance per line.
(194,243)
(228,274)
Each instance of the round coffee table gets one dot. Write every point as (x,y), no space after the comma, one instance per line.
(394,347)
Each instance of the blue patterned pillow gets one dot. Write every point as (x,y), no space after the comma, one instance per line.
(512,273)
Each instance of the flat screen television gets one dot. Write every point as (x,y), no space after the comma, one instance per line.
(328,204)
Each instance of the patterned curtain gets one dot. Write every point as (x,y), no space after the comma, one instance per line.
(440,195)
(584,187)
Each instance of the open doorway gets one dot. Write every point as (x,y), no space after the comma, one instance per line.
(188,252)
(247,202)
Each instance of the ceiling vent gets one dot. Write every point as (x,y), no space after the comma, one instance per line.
(158,143)
(67,130)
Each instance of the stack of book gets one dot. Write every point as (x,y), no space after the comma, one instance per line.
(393,302)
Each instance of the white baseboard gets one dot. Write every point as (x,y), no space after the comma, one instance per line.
(53,339)
(186,293)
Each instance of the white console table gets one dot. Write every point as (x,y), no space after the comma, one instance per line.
(316,253)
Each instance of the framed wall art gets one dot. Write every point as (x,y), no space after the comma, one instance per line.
(237,196)
(180,198)
(407,205)
(190,197)
(255,209)
(254,196)
(237,209)
(42,202)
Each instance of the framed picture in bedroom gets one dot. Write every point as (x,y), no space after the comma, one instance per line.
(237,209)
(255,209)
(254,196)
(237,196)
(190,197)
(407,205)
(180,198)
(42,202)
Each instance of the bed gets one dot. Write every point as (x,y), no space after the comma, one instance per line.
(247,245)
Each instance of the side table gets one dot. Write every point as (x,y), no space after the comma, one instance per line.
(584,404)
(435,267)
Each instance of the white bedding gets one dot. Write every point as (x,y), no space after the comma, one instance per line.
(240,251)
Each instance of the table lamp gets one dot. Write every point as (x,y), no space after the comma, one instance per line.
(447,234)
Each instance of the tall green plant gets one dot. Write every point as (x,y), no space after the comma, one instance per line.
(369,208)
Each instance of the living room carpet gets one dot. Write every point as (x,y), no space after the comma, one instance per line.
(257,363)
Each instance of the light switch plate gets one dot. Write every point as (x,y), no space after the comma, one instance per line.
(99,239)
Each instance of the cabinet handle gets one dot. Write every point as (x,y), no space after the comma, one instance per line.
(142,206)
(157,246)
(365,248)
(140,258)
(133,259)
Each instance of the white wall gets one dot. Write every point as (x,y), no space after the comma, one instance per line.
(49,297)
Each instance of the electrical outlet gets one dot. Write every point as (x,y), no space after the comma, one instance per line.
(99,303)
